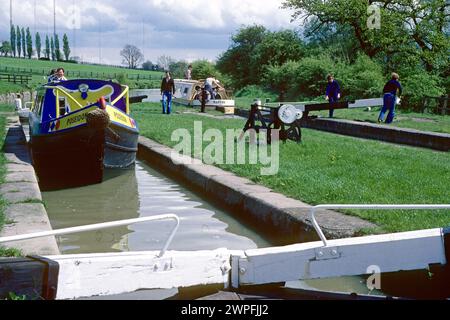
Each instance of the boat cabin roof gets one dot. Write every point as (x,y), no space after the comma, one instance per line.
(73,95)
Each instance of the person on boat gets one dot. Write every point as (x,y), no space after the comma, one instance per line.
(390,98)
(51,76)
(59,75)
(188,73)
(209,84)
(333,93)
(167,90)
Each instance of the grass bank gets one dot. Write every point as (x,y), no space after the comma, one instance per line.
(327,168)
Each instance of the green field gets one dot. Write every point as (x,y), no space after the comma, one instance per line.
(39,70)
(327,168)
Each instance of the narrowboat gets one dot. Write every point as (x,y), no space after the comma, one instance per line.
(79,127)
(188,93)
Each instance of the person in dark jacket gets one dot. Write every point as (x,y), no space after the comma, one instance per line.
(390,98)
(167,90)
(333,92)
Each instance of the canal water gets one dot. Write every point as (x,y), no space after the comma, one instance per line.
(143,191)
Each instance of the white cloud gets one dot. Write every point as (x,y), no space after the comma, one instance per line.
(151,24)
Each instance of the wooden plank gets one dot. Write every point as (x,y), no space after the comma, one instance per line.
(394,252)
(116,273)
(22,277)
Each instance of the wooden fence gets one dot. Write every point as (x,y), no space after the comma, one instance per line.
(82,74)
(15,78)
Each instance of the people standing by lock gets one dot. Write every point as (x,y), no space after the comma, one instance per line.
(167,90)
(333,93)
(390,98)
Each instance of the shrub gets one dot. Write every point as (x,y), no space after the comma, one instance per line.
(416,87)
(254,92)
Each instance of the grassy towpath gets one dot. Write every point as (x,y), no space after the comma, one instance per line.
(4,110)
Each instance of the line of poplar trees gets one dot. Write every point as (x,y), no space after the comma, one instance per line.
(21,45)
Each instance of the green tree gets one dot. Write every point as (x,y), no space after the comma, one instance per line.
(281,78)
(236,61)
(13,40)
(202,69)
(58,55)
(275,49)
(147,65)
(19,41)
(5,48)
(29,44)
(66,47)
(177,69)
(52,48)
(24,43)
(417,86)
(47,51)
(407,27)
(38,44)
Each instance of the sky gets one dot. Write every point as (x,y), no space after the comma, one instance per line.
(182,29)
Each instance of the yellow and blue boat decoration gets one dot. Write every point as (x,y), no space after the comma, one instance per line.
(79,127)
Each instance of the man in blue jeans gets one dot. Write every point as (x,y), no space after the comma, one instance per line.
(333,93)
(167,90)
(390,98)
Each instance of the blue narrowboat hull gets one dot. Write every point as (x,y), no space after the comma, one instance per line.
(78,156)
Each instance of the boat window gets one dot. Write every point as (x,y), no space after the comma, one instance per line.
(62,106)
(39,104)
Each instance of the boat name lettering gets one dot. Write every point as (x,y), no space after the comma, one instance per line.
(76,119)
(120,116)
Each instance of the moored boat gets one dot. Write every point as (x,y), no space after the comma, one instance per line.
(188,93)
(77,128)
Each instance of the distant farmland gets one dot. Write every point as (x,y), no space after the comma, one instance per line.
(39,70)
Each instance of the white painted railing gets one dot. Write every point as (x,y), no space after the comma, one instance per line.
(99,226)
(369,207)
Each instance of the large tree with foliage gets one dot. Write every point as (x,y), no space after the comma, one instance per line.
(132,56)
(29,44)
(37,40)
(13,40)
(18,41)
(66,47)
(408,28)
(275,49)
(177,69)
(236,61)
(5,48)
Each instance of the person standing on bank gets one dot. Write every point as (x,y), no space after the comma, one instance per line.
(333,93)
(167,90)
(188,73)
(390,98)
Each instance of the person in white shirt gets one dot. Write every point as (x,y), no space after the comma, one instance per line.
(209,83)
